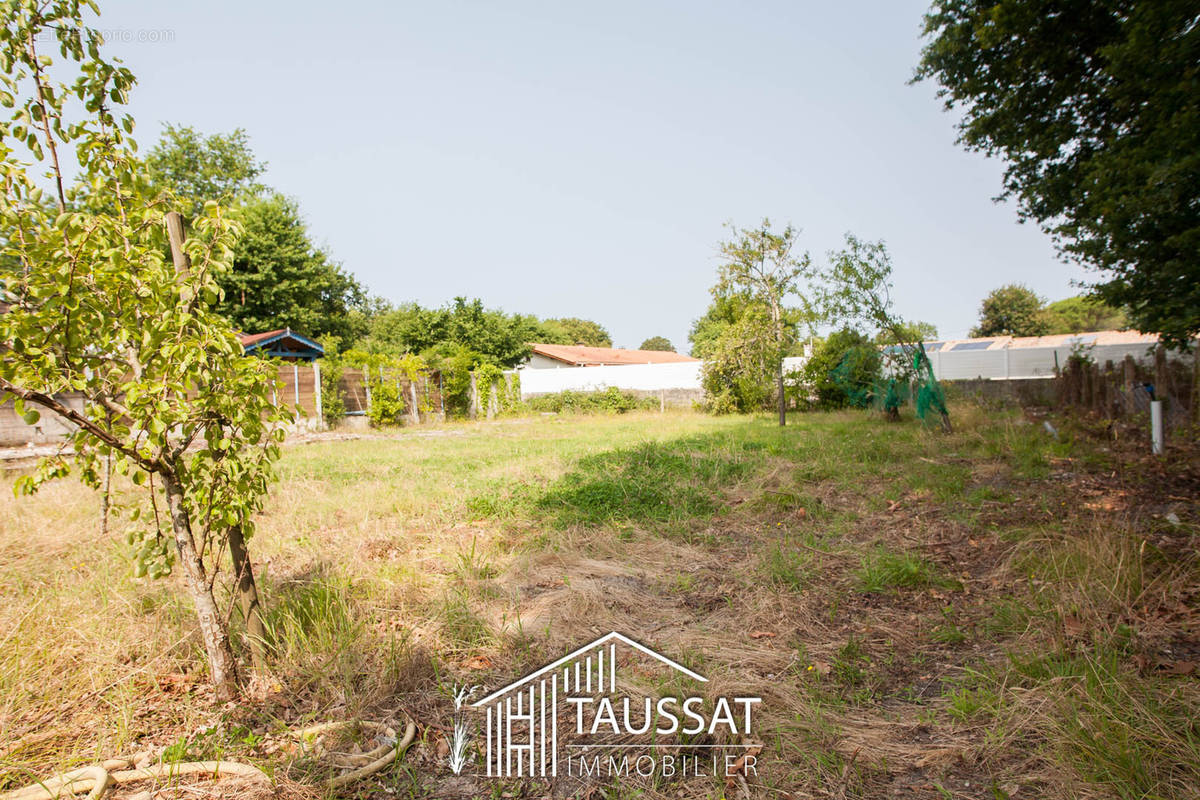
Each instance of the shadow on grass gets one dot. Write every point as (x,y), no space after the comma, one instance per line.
(649,483)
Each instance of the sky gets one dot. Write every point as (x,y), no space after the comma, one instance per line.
(581,159)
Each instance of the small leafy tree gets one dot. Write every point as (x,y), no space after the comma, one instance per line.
(659,343)
(93,307)
(844,370)
(761,264)
(740,365)
(857,286)
(575,331)
(1012,310)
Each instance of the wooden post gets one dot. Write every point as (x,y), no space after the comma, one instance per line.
(412,391)
(366,384)
(1196,383)
(473,409)
(1160,372)
(1110,390)
(662,401)
(176,234)
(1087,385)
(317,394)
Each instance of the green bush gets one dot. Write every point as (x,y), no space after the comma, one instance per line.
(608,401)
(333,402)
(844,370)
(739,373)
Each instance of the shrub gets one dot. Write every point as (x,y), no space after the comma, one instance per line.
(844,370)
(608,401)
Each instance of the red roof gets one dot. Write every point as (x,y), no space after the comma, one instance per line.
(594,356)
(248,339)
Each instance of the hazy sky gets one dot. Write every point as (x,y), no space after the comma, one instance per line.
(579,159)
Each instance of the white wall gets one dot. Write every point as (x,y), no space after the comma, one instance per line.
(1024,362)
(643,377)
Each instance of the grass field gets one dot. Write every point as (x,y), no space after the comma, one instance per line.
(992,613)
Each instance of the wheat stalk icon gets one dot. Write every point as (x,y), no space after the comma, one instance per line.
(462,734)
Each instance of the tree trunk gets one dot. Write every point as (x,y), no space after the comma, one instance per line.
(212,627)
(777,318)
(779,389)
(248,596)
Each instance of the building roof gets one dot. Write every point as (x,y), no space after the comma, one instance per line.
(281,343)
(579,356)
(1054,340)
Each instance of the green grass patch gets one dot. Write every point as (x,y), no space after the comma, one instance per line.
(882,570)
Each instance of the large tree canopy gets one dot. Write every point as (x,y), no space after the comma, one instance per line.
(1078,314)
(280,280)
(463,326)
(198,168)
(1012,310)
(572,330)
(1095,104)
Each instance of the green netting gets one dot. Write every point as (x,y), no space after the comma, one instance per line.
(912,382)
(930,396)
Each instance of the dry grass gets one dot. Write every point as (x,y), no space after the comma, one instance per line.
(987,614)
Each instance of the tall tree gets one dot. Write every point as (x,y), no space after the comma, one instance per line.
(761,264)
(1012,310)
(199,168)
(280,280)
(659,343)
(1095,105)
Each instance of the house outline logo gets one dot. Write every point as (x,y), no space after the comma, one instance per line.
(532,702)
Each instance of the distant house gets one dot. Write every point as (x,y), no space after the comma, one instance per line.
(554,356)
(281,343)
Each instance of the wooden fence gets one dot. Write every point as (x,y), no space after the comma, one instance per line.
(422,398)
(1125,389)
(300,389)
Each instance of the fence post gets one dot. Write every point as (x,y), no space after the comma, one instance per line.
(493,405)
(296,383)
(1196,382)
(1156,427)
(366,383)
(412,391)
(317,394)
(473,409)
(1160,372)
